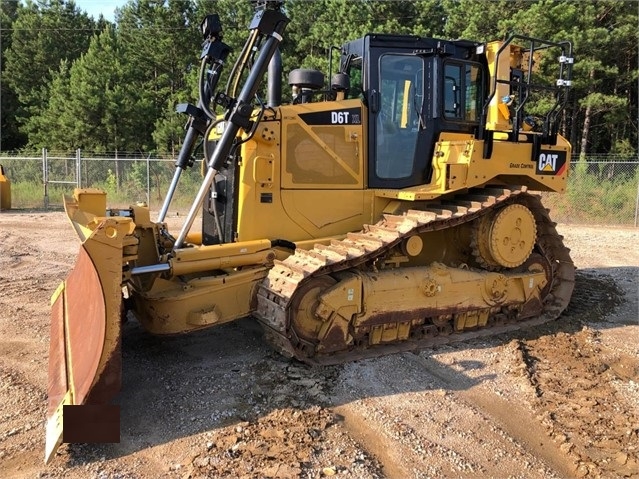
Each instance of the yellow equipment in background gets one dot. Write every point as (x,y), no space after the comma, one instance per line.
(386,212)
(5,191)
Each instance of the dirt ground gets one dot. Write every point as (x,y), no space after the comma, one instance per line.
(561,400)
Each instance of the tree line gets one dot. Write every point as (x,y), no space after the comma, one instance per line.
(71,81)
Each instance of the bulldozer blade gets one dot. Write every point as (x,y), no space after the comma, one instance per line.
(85,357)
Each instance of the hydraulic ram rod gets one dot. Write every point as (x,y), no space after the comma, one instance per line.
(180,166)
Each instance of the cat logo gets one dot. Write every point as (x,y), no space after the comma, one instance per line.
(551,163)
(548,162)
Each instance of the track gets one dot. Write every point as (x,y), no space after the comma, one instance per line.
(359,251)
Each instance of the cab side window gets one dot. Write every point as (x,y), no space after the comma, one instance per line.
(462,92)
(355,75)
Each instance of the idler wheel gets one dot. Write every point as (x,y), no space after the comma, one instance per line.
(302,310)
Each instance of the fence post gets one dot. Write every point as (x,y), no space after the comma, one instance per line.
(117,172)
(148,180)
(78,168)
(45,177)
(637,202)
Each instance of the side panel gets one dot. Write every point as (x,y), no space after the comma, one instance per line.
(304,177)
(322,146)
(327,212)
(460,164)
(260,210)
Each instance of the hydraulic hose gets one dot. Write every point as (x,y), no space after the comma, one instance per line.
(240,64)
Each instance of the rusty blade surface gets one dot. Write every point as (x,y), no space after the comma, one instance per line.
(85,328)
(85,357)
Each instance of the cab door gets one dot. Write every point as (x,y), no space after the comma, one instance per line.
(399,108)
(416,89)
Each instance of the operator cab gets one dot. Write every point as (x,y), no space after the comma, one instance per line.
(414,89)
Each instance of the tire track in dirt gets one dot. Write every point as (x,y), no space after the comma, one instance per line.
(515,420)
(426,429)
(587,388)
(375,444)
(584,386)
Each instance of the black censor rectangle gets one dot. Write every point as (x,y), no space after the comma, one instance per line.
(91,423)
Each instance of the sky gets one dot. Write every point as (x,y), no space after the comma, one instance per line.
(96,7)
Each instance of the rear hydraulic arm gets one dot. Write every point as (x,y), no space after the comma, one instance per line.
(214,54)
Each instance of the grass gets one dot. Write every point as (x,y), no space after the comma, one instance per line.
(591,200)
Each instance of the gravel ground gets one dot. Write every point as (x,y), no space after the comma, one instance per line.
(560,400)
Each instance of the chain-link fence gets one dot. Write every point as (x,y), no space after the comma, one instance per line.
(40,181)
(601,189)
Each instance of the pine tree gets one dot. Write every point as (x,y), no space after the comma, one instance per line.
(44,33)
(10,137)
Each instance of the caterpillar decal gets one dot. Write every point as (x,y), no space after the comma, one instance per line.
(551,162)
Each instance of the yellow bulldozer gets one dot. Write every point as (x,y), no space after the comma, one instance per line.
(385,211)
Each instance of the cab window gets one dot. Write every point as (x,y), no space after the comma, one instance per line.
(401,102)
(355,75)
(462,92)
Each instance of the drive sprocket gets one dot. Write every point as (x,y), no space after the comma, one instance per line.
(505,238)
